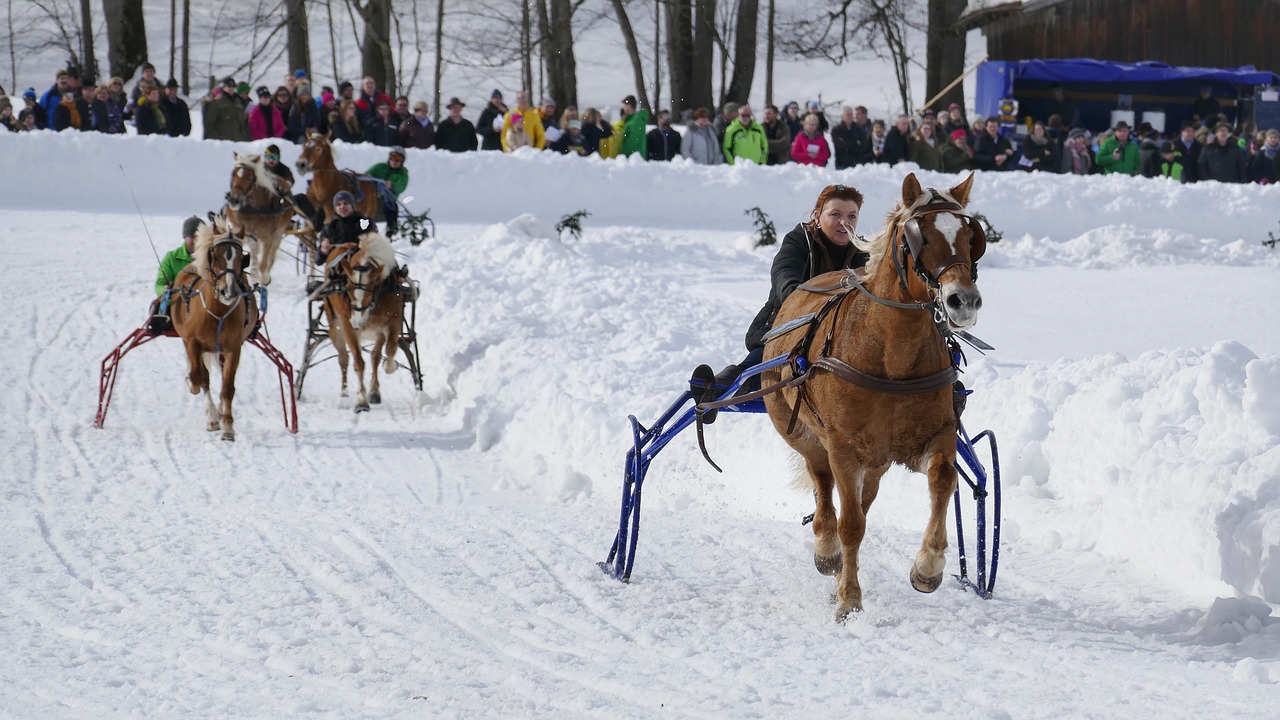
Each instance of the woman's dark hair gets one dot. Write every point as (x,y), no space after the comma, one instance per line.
(701,113)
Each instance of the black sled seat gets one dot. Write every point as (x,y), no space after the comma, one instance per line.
(647,442)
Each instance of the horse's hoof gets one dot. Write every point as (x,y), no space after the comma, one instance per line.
(844,611)
(362,407)
(375,398)
(228,437)
(214,426)
(923,584)
(829,565)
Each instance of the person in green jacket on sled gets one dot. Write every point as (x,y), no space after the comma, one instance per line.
(170,265)
(396,177)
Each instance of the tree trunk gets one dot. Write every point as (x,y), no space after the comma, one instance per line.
(376,58)
(126,36)
(680,53)
(633,50)
(186,47)
(173,36)
(564,79)
(657,54)
(744,51)
(439,72)
(526,50)
(944,57)
(704,32)
(298,34)
(89,71)
(768,57)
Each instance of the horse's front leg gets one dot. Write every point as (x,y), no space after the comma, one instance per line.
(852,526)
(213,415)
(827,556)
(230,362)
(375,357)
(357,355)
(926,572)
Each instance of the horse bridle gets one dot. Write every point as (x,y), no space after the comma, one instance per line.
(913,242)
(376,291)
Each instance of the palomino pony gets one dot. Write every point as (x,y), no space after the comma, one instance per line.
(256,206)
(364,303)
(214,314)
(327,180)
(881,388)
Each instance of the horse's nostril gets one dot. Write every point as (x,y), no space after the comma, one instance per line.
(954,302)
(977,304)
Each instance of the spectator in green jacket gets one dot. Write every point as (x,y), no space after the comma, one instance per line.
(396,177)
(635,123)
(1118,154)
(745,139)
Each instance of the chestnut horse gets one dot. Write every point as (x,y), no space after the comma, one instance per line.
(364,302)
(214,313)
(264,213)
(881,390)
(327,180)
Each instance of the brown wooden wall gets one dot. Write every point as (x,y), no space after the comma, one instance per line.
(1202,33)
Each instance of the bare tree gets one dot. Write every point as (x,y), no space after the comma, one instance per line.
(690,27)
(843,30)
(376,57)
(744,51)
(88,63)
(944,56)
(439,72)
(768,61)
(633,51)
(298,34)
(186,46)
(126,36)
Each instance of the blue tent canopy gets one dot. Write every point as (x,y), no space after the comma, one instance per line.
(1096,85)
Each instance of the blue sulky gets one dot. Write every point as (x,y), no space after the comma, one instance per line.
(648,442)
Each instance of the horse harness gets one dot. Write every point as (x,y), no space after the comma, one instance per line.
(911,243)
(186,292)
(339,283)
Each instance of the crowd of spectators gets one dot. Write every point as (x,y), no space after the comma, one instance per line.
(1205,147)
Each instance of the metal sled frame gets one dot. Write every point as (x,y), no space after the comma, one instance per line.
(143,335)
(318,335)
(648,442)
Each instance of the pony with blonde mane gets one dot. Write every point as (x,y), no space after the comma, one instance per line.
(368,308)
(319,158)
(214,314)
(257,206)
(881,391)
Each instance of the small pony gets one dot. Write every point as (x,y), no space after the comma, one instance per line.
(256,207)
(318,158)
(881,391)
(214,314)
(366,304)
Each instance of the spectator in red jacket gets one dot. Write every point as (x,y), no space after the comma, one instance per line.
(369,97)
(264,118)
(810,146)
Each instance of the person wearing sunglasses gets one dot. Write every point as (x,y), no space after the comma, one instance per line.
(825,243)
(745,139)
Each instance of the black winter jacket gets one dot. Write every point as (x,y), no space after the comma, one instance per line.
(1224,163)
(850,145)
(792,266)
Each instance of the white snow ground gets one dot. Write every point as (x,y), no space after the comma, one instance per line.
(436,556)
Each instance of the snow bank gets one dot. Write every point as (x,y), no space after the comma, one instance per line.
(1091,221)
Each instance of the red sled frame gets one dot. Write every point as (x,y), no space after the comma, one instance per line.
(144,335)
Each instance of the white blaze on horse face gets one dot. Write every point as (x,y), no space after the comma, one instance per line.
(949,225)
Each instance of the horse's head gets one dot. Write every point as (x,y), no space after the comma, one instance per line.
(314,150)
(367,269)
(220,259)
(244,177)
(942,244)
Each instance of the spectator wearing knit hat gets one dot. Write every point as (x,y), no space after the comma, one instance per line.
(956,156)
(35,109)
(489,125)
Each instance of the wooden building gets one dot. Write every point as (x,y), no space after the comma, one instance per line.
(1198,33)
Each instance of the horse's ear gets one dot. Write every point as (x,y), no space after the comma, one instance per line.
(911,190)
(961,192)
(213,217)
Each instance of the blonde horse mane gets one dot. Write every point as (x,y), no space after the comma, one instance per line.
(882,242)
(254,164)
(378,249)
(206,235)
